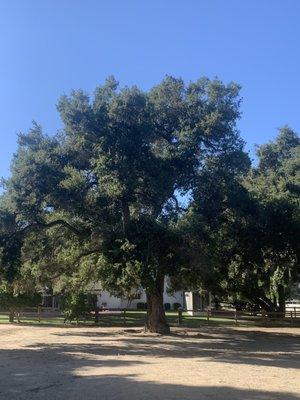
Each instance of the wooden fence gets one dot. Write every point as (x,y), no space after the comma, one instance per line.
(291,316)
(181,317)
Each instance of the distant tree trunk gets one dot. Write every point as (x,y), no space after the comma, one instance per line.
(125,216)
(156,317)
(281,299)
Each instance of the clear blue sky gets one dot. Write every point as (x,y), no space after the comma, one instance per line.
(48,47)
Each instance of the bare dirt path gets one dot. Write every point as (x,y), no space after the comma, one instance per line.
(115,364)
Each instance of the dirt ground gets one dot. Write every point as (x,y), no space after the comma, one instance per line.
(214,363)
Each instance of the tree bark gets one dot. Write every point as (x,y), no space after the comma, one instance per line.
(281,300)
(156,317)
(125,216)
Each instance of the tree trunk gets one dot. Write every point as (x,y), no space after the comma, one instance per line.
(156,317)
(125,216)
(281,300)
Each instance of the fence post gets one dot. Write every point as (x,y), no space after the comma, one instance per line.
(263,316)
(11,316)
(96,315)
(295,311)
(291,318)
(207,317)
(179,316)
(235,316)
(124,316)
(39,313)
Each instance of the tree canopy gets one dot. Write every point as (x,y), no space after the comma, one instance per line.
(100,200)
(249,226)
(140,185)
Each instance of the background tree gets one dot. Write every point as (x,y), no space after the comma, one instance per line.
(275,183)
(15,303)
(248,225)
(101,199)
(16,291)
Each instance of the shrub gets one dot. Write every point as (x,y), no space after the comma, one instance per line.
(14,303)
(9,300)
(167,306)
(78,305)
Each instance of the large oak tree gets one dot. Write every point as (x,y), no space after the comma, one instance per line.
(101,199)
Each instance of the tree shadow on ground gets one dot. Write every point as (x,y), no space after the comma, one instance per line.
(72,369)
(214,344)
(114,387)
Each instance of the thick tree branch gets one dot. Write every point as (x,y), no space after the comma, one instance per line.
(177,206)
(58,222)
(61,222)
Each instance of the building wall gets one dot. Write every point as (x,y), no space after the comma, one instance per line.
(189,304)
(195,302)
(106,300)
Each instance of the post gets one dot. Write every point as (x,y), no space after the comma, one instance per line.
(207,317)
(124,316)
(235,317)
(179,316)
(291,318)
(96,315)
(295,312)
(11,316)
(39,313)
(263,316)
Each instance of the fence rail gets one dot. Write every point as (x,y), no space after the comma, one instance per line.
(184,317)
(290,315)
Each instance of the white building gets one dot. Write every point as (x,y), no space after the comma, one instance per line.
(195,301)
(105,300)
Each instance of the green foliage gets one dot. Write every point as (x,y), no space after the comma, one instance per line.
(140,185)
(247,226)
(100,201)
(10,301)
(78,305)
(275,184)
